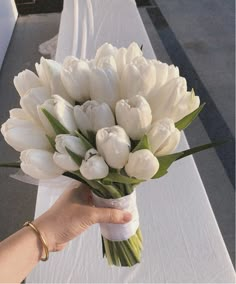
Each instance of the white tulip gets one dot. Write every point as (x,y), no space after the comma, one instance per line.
(134,115)
(104,86)
(62,158)
(91,116)
(105,50)
(114,145)
(49,72)
(93,166)
(71,142)
(61,110)
(125,56)
(172,100)
(39,164)
(65,162)
(33,98)
(142,164)
(138,77)
(163,137)
(75,78)
(26,80)
(22,134)
(164,73)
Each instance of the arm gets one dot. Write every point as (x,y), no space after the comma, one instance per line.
(72,214)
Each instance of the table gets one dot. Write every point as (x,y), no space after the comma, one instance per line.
(182,241)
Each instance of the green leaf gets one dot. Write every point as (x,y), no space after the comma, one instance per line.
(56,125)
(85,141)
(92,138)
(10,165)
(201,148)
(188,119)
(103,247)
(52,142)
(166,161)
(75,157)
(143,144)
(113,177)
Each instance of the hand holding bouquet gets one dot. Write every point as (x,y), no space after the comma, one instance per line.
(111,122)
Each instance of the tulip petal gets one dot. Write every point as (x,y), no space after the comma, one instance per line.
(39,164)
(25,81)
(33,98)
(23,134)
(65,162)
(142,164)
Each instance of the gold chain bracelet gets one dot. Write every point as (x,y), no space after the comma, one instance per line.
(44,243)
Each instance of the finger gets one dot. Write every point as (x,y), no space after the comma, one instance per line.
(109,215)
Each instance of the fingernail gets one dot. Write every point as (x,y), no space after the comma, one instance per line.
(127,217)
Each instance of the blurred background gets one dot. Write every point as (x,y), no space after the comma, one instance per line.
(197,36)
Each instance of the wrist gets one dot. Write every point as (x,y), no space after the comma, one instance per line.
(45,231)
(41,238)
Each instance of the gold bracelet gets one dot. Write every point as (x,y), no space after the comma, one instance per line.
(44,243)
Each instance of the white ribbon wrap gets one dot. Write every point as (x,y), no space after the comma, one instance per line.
(119,232)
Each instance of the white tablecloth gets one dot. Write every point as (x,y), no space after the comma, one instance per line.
(182,241)
(8,16)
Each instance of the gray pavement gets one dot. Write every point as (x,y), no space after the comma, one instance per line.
(199,35)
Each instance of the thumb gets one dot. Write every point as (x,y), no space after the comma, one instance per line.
(110,215)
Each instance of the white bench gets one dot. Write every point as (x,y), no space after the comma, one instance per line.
(182,241)
(8,16)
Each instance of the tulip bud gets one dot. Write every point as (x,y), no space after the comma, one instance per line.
(142,164)
(104,86)
(138,77)
(114,145)
(93,166)
(61,110)
(33,98)
(49,72)
(105,50)
(164,73)
(134,115)
(26,80)
(62,158)
(172,100)
(39,164)
(125,56)
(75,78)
(71,142)
(92,116)
(163,137)
(22,134)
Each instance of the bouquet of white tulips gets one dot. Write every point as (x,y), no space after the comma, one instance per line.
(111,122)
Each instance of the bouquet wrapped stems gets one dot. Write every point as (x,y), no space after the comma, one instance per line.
(123,253)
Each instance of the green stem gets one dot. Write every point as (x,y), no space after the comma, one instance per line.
(113,192)
(10,165)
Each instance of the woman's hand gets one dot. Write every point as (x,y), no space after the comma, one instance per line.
(72,214)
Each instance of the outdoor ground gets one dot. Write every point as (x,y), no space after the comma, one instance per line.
(198,36)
